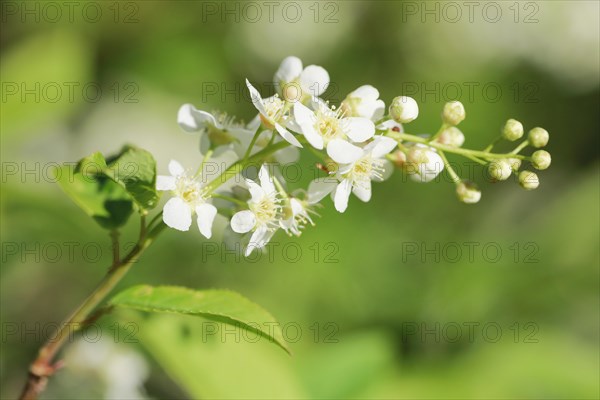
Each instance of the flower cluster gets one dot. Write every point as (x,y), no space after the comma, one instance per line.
(358,142)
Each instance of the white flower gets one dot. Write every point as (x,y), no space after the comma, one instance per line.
(364,102)
(330,128)
(272,112)
(297,83)
(424,163)
(298,214)
(263,215)
(356,176)
(216,129)
(188,198)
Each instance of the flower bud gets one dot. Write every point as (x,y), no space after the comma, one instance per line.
(500,170)
(468,192)
(451,136)
(541,159)
(529,180)
(424,164)
(514,163)
(398,157)
(454,113)
(538,137)
(513,130)
(404,109)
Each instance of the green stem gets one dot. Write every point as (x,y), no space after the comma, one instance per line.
(230,199)
(491,145)
(207,157)
(438,133)
(42,367)
(451,172)
(453,150)
(239,166)
(254,139)
(520,147)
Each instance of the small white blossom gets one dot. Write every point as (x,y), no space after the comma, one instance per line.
(329,128)
(512,130)
(216,129)
(189,198)
(298,215)
(297,83)
(272,113)
(529,180)
(500,170)
(453,113)
(262,217)
(541,159)
(451,136)
(364,102)
(356,176)
(538,137)
(404,109)
(424,163)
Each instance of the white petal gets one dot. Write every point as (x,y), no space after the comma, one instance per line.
(290,69)
(366,92)
(256,191)
(265,180)
(177,214)
(176,169)
(164,182)
(192,120)
(206,215)
(303,115)
(382,145)
(343,152)
(313,137)
(363,191)
(319,188)
(314,80)
(359,129)
(342,193)
(287,136)
(256,98)
(259,239)
(243,221)
(379,110)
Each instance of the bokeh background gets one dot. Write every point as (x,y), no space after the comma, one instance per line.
(384,301)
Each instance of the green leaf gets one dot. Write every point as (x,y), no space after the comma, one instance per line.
(135,170)
(107,191)
(98,196)
(217,305)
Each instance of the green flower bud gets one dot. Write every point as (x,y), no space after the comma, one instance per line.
(452,136)
(514,163)
(538,137)
(513,130)
(541,159)
(500,170)
(529,180)
(468,192)
(454,113)
(404,109)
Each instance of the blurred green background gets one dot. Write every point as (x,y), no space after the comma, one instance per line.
(404,310)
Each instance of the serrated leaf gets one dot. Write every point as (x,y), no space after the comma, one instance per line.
(135,170)
(217,305)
